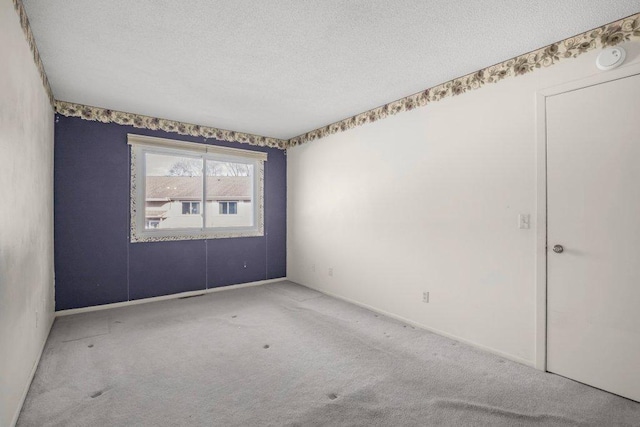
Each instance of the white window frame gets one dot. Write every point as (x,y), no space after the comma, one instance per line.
(190,206)
(140,145)
(228,203)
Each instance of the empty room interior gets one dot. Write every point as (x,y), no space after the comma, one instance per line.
(376,213)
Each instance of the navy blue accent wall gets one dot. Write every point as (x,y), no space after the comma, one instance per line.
(94,261)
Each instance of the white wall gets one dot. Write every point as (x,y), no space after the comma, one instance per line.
(428,200)
(26,214)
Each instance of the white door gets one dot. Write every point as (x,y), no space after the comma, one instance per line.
(593,202)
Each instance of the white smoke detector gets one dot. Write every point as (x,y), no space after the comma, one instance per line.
(610,58)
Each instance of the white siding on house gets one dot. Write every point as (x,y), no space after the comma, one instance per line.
(174,218)
(244,217)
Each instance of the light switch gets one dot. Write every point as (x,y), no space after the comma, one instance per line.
(524,221)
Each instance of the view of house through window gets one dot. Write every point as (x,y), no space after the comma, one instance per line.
(175,192)
(229,191)
(183,190)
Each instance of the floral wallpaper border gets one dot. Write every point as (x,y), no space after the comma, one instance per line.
(26,28)
(604,36)
(104,115)
(134,237)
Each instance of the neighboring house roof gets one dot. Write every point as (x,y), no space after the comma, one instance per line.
(190,188)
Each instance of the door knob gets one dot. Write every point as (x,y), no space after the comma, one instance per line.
(558,249)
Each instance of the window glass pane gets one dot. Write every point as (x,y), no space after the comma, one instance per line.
(173,191)
(168,183)
(190,208)
(229,194)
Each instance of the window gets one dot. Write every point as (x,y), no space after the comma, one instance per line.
(190,208)
(228,208)
(182,190)
(152,224)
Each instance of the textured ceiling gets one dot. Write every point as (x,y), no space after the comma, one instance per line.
(281,68)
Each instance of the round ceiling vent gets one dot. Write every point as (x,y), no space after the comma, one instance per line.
(610,58)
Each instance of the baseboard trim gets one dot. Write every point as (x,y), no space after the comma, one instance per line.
(71,311)
(27,386)
(508,356)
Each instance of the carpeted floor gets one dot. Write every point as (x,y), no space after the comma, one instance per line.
(284,355)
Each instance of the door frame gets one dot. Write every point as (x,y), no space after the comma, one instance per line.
(541,195)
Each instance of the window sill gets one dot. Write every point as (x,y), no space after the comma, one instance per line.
(164,236)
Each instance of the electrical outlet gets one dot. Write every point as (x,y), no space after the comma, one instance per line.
(245,264)
(330,271)
(313,268)
(425,297)
(36,319)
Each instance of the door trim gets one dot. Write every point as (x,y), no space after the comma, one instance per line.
(541,195)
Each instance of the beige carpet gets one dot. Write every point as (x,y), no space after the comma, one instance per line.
(284,355)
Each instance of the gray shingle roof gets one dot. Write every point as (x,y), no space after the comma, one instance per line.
(190,188)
